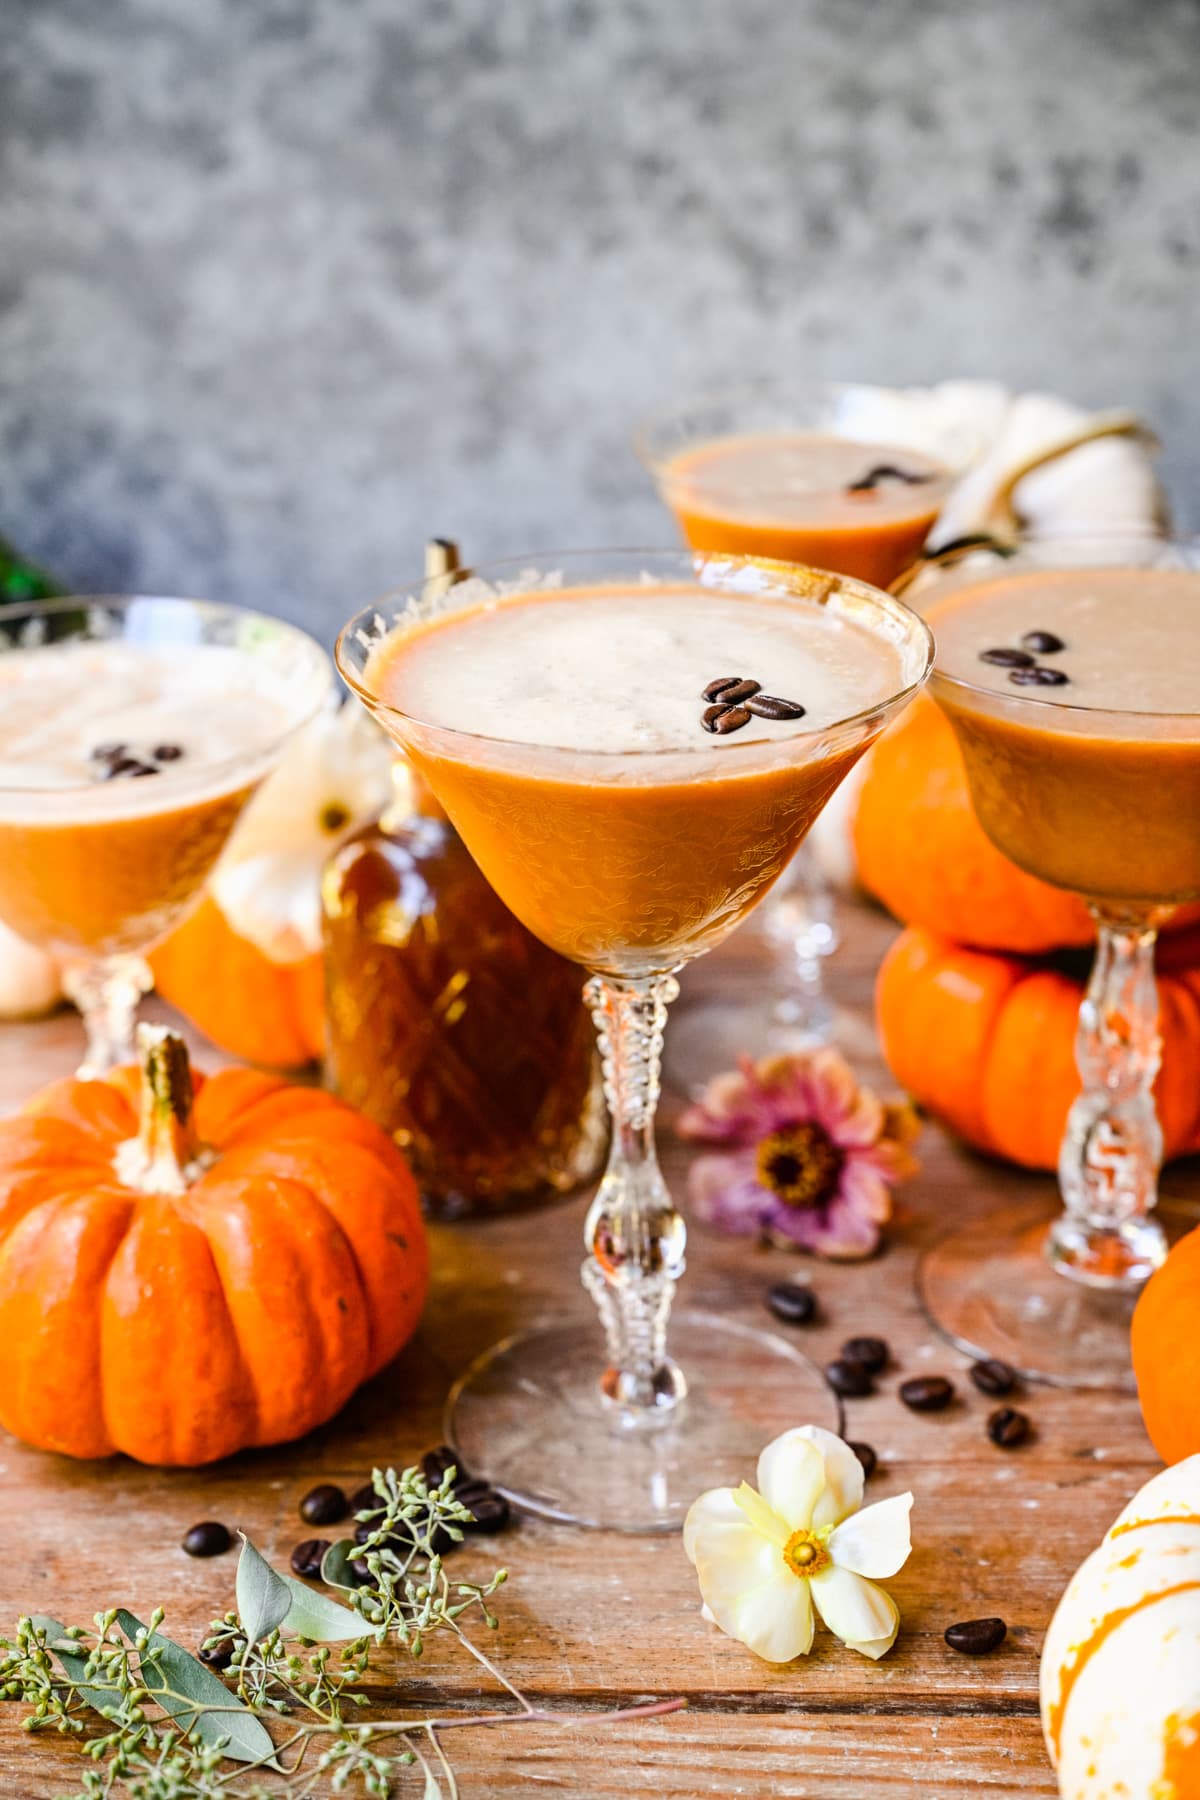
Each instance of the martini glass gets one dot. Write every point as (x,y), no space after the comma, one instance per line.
(842,476)
(1085,771)
(629,853)
(132,732)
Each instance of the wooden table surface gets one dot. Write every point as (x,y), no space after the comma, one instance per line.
(592,1621)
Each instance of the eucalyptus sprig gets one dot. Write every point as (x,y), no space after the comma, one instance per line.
(158,1723)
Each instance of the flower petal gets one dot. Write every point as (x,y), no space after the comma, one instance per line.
(876,1541)
(861,1614)
(715,1522)
(865,1189)
(791,1477)
(843,1477)
(772,1616)
(724,1191)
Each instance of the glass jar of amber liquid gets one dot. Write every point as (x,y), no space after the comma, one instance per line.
(451,1026)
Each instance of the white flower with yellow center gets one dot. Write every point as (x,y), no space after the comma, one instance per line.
(767,1557)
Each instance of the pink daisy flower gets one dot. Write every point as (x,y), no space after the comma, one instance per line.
(808,1157)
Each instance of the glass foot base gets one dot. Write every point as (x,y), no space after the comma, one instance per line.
(991,1290)
(529,1415)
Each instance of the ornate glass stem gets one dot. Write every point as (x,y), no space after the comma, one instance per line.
(1112,1149)
(107,992)
(634,1236)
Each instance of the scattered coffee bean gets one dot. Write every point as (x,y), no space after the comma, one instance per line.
(741,690)
(732,719)
(1044,642)
(1038,676)
(711,717)
(434,1464)
(849,1379)
(866,1457)
(307,1558)
(1007,1427)
(489,1510)
(1007,659)
(365,1499)
(994,1377)
(108,752)
(324,1505)
(219,1657)
(885,472)
(793,1302)
(358,1568)
(927,1393)
(364,1529)
(127,767)
(870,1353)
(165,753)
(767,706)
(207,1539)
(716,688)
(976,1637)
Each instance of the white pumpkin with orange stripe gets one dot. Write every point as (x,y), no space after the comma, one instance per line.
(1120,1677)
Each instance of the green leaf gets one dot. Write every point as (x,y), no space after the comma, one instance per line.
(66,1652)
(335,1564)
(194,1688)
(263,1597)
(315,1616)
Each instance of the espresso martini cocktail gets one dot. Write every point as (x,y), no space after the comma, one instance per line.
(132,733)
(632,746)
(1070,677)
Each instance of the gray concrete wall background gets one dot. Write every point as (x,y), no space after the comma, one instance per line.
(288,285)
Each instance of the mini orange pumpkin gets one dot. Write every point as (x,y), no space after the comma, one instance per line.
(987,1042)
(263,1011)
(189,1267)
(1166,1352)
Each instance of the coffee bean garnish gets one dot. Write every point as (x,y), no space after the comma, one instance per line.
(1007,659)
(489,1510)
(307,1557)
(1007,1427)
(324,1505)
(1038,676)
(886,472)
(976,1637)
(994,1377)
(927,1393)
(849,1379)
(870,1353)
(1044,642)
(792,1302)
(741,690)
(108,752)
(167,753)
(766,706)
(127,766)
(716,688)
(711,717)
(207,1539)
(732,719)
(866,1457)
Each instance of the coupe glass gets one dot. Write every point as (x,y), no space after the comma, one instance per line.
(876,536)
(588,848)
(1104,803)
(98,872)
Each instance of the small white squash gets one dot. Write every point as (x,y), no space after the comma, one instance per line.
(1120,1676)
(29,978)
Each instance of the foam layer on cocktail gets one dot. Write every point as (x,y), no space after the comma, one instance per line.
(1083,758)
(562,732)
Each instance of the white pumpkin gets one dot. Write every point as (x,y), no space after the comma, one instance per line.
(30,982)
(1120,1675)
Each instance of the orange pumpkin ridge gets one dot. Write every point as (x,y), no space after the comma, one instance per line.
(224,1275)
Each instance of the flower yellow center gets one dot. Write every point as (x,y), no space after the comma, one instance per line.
(805,1554)
(333,816)
(801,1164)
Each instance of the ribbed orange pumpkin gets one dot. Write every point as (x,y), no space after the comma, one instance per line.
(987,1042)
(1166,1352)
(921,851)
(266,1012)
(178,1281)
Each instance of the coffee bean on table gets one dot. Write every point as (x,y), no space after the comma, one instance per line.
(927,1393)
(207,1539)
(219,1657)
(489,1510)
(793,1302)
(324,1505)
(866,1457)
(849,1379)
(1044,642)
(358,1568)
(1038,676)
(307,1558)
(871,1353)
(365,1499)
(1007,659)
(991,1376)
(976,1637)
(435,1462)
(1007,1427)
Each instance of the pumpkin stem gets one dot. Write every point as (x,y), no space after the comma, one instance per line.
(167,1143)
